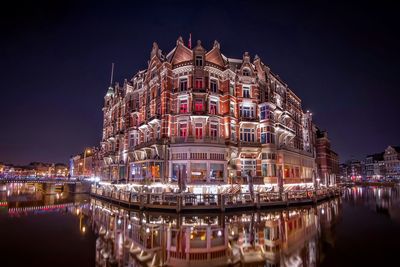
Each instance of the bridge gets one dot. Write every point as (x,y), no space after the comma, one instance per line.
(52,186)
(42,181)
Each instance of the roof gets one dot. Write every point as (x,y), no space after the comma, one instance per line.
(377,156)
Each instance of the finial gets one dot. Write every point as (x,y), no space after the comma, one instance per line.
(216,44)
(179,40)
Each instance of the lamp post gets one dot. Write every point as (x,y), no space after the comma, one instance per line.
(87,151)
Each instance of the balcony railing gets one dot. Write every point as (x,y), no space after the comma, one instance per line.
(292,149)
(248,119)
(249,143)
(192,139)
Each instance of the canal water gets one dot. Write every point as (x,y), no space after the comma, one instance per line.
(360,228)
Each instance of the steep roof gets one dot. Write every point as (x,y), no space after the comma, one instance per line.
(214,55)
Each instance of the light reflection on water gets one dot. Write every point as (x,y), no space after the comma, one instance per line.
(297,236)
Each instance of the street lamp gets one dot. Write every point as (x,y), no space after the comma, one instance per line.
(87,151)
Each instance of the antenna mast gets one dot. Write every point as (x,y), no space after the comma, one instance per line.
(112,74)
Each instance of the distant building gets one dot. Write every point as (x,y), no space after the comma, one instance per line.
(327,160)
(34,169)
(85,164)
(375,166)
(351,170)
(392,161)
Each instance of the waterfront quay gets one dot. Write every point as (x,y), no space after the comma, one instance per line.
(189,202)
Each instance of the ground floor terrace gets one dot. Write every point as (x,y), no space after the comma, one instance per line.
(210,197)
(199,163)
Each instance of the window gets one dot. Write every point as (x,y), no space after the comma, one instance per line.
(263,112)
(133,139)
(199,83)
(217,171)
(231,89)
(247,135)
(199,61)
(183,106)
(233,132)
(199,130)
(232,109)
(213,107)
(183,129)
(268,169)
(213,131)
(214,86)
(183,84)
(267,135)
(158,132)
(198,105)
(246,91)
(248,165)
(246,111)
(246,72)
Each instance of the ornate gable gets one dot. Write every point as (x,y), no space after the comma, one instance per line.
(181,53)
(214,55)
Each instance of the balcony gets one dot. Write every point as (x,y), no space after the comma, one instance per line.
(149,143)
(154,117)
(249,144)
(199,112)
(284,128)
(199,90)
(192,139)
(295,150)
(248,119)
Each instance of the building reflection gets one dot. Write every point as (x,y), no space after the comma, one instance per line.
(261,238)
(382,200)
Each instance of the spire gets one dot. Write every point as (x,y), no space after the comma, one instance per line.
(110,90)
(112,74)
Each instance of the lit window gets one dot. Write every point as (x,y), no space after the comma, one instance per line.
(198,105)
(199,83)
(183,107)
(213,107)
(199,130)
(183,129)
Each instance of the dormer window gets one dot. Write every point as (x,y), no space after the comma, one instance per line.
(199,61)
(246,72)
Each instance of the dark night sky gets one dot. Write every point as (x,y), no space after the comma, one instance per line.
(340,59)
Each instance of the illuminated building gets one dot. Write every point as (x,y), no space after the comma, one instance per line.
(327,159)
(392,161)
(204,118)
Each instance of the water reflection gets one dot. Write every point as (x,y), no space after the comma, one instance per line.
(302,236)
(383,200)
(261,238)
